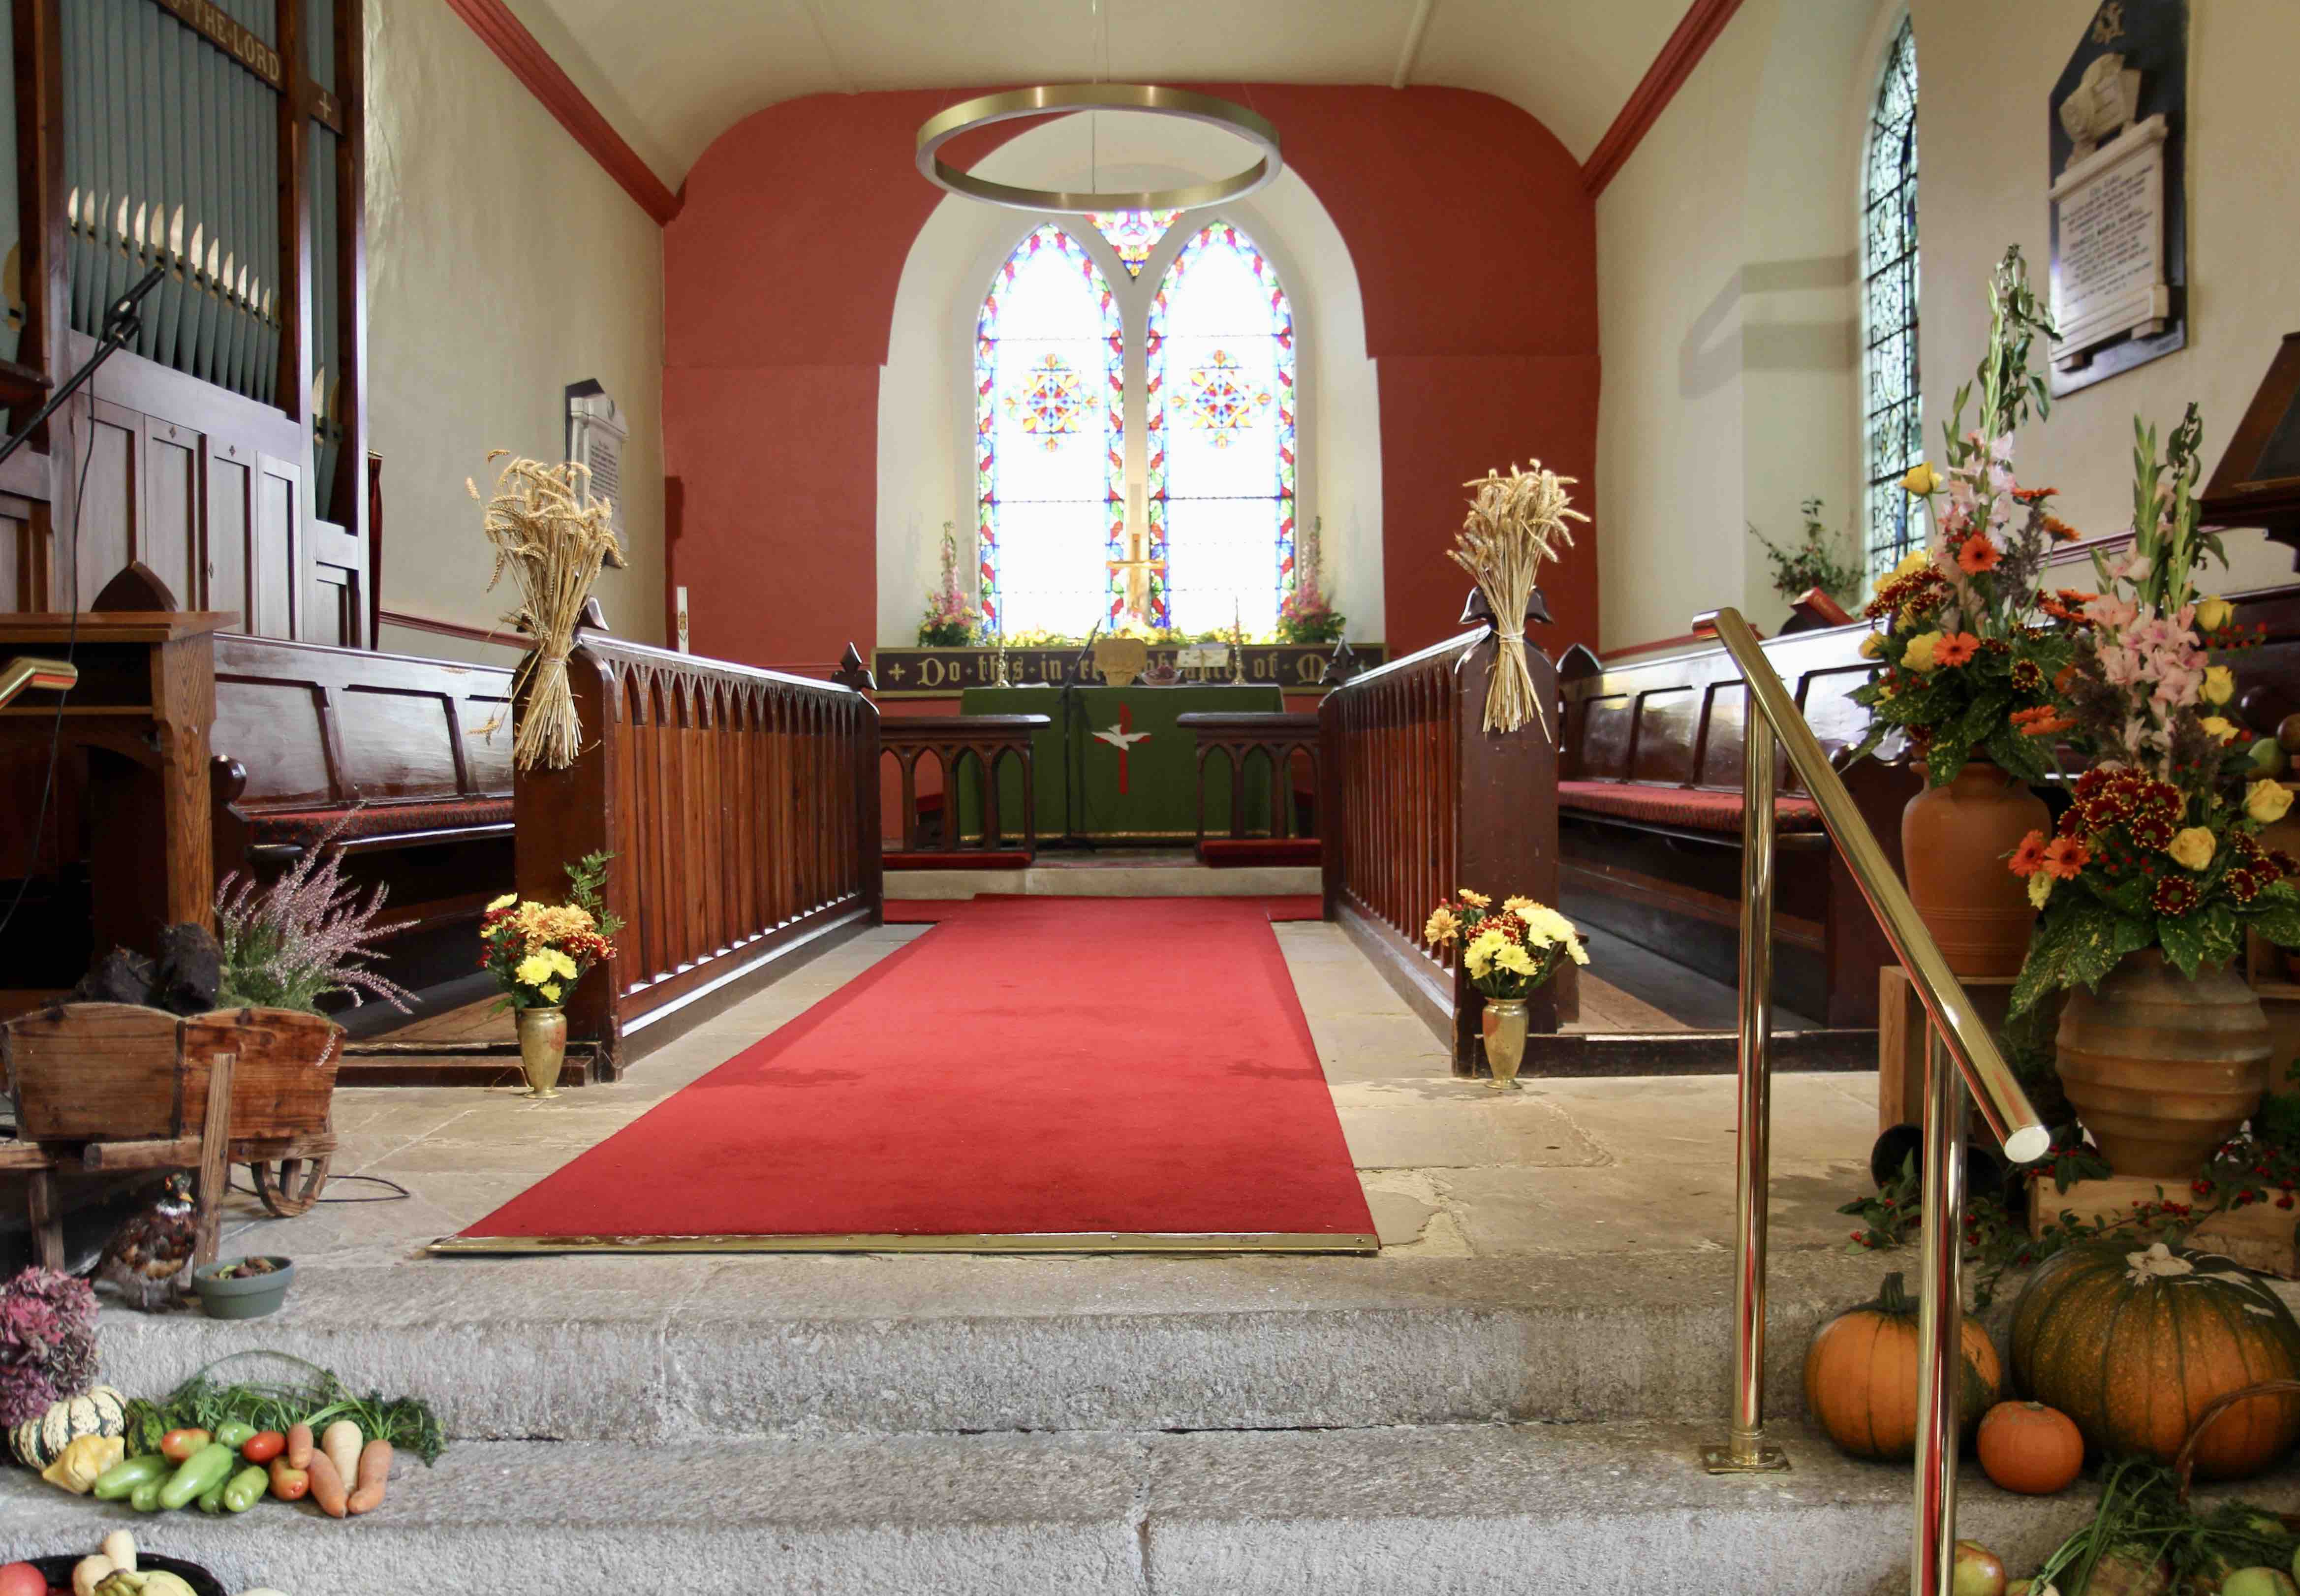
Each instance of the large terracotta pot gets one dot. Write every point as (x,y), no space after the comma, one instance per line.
(2162,1068)
(1953,843)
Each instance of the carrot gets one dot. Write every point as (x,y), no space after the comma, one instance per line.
(299,1446)
(374,1473)
(328,1486)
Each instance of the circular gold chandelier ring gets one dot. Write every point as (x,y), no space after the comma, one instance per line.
(1062,98)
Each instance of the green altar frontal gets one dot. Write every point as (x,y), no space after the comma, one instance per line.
(1126,773)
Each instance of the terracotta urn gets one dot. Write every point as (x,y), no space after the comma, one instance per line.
(1953,844)
(2161,1069)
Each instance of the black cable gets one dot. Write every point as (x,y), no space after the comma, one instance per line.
(399,1193)
(56,727)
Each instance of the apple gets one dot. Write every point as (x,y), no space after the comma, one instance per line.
(2259,1582)
(1976,1571)
(22,1579)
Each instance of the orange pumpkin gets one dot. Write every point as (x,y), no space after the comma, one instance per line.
(2029,1448)
(2133,1344)
(1860,1376)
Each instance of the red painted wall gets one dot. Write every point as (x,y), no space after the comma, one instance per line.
(1475,247)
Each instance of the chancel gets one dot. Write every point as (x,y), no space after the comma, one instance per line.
(1128,795)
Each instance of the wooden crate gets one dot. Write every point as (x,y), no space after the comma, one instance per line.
(2261,1237)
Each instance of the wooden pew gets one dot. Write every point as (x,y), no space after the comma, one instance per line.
(1291,835)
(741,807)
(1649,800)
(974,744)
(1417,799)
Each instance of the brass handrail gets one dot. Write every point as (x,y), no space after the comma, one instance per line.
(1958,1037)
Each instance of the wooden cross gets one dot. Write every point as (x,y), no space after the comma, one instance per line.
(1138,566)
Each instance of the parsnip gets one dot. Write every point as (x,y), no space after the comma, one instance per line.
(341,1441)
(89,1573)
(120,1546)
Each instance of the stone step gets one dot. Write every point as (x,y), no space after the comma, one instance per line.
(1437,1511)
(677,1349)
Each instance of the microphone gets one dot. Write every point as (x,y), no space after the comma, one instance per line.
(121,316)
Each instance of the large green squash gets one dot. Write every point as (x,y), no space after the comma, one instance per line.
(2135,1343)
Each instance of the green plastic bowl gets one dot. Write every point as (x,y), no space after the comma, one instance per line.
(248,1298)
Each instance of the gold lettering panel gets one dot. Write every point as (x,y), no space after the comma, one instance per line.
(913,672)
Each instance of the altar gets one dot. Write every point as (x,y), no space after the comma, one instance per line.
(1123,770)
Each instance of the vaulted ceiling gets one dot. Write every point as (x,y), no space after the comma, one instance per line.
(672,77)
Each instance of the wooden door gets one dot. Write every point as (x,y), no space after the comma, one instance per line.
(335,592)
(275,548)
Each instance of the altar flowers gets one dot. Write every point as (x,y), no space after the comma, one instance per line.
(537,952)
(1509,954)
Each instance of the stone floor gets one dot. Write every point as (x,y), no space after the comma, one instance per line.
(1452,1167)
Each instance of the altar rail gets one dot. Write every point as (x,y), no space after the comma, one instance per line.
(975,745)
(742,810)
(1417,799)
(1291,835)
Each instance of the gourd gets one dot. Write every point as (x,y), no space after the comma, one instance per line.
(2029,1448)
(1860,1376)
(37,1442)
(2134,1345)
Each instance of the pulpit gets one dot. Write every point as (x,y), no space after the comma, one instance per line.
(1113,765)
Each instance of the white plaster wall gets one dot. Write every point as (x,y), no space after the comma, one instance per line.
(503,264)
(1981,127)
(926,404)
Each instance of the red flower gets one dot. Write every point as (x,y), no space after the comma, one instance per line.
(1955,648)
(1977,554)
(2065,856)
(2030,496)
(2030,857)
(2043,720)
(2175,895)
(2151,830)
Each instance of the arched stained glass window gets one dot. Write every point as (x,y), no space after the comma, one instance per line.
(1219,435)
(1049,418)
(1894,433)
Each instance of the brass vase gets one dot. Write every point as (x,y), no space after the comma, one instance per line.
(1954,839)
(2161,1069)
(542,1048)
(1505,1037)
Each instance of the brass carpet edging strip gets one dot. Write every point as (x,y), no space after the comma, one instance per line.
(1081,1242)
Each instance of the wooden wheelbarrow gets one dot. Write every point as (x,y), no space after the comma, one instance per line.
(100,1087)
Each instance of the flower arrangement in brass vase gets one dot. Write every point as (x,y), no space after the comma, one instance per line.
(1508,954)
(537,952)
(1967,662)
(553,538)
(1516,523)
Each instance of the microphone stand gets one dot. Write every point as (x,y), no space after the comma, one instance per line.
(1074,746)
(121,323)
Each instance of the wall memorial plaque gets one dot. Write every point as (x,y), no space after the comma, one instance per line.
(2119,211)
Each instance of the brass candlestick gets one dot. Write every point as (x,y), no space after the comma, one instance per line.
(1236,647)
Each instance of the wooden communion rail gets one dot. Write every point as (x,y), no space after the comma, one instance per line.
(1416,799)
(974,745)
(741,806)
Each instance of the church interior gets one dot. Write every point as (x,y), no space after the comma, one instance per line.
(1133,796)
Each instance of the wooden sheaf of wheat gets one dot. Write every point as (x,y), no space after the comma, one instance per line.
(1516,523)
(553,538)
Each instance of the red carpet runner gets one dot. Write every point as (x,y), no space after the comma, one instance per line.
(1055,1073)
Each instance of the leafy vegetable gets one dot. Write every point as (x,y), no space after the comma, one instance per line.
(275,1391)
(2142,1518)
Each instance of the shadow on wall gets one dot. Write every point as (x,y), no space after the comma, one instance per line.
(1711,358)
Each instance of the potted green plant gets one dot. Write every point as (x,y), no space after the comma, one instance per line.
(1967,662)
(1816,560)
(1509,954)
(2148,884)
(537,952)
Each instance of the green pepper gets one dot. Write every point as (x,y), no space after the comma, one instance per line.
(146,1498)
(246,1488)
(210,1465)
(234,1433)
(212,1498)
(115,1482)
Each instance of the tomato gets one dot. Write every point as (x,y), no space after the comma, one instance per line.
(264,1447)
(22,1579)
(177,1446)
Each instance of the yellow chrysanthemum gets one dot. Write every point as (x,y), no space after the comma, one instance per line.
(533,969)
(1476,900)
(1919,655)
(550,992)
(505,902)
(1443,926)
(2040,887)
(1513,958)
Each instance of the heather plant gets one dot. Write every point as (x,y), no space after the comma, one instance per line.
(47,1342)
(305,936)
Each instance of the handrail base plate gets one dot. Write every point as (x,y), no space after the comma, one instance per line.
(1719,1459)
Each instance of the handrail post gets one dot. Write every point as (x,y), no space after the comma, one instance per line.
(1940,1326)
(1745,1451)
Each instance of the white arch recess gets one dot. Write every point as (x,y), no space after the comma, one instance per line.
(926,390)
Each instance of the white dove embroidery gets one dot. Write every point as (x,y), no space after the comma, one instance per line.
(1119,737)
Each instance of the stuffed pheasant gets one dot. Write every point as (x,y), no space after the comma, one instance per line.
(150,1257)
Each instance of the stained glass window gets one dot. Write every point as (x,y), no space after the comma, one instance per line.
(1219,419)
(1049,418)
(1893,432)
(1133,234)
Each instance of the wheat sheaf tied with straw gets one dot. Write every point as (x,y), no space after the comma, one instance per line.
(553,538)
(1514,523)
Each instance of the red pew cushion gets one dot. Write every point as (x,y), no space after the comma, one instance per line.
(305,827)
(1678,806)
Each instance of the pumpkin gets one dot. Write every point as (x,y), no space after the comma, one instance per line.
(1860,1376)
(2029,1448)
(2134,1345)
(39,1441)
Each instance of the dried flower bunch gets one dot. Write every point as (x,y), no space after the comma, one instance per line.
(1509,951)
(307,934)
(1516,523)
(554,537)
(1968,663)
(2161,847)
(47,1342)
